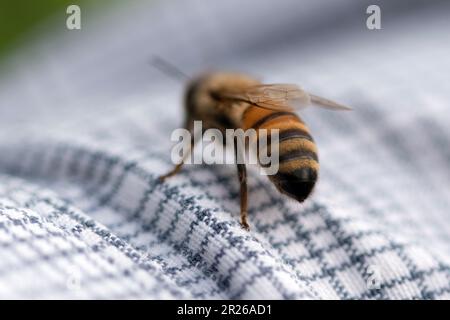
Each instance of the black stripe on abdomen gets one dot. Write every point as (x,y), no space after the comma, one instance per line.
(272,116)
(290,134)
(297,154)
(294,133)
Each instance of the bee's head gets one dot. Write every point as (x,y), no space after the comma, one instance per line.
(203,93)
(191,95)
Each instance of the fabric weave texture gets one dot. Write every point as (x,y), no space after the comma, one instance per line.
(85,124)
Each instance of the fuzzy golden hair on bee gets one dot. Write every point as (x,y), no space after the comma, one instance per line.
(223,100)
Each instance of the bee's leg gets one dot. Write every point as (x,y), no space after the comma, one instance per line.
(178,167)
(172,172)
(242,174)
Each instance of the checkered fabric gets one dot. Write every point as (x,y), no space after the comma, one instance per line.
(85,124)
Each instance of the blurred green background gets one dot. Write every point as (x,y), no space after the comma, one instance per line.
(18,18)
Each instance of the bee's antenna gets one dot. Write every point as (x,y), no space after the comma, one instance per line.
(168,69)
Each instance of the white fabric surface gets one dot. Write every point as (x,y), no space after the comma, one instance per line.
(85,125)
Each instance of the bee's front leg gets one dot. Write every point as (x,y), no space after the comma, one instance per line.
(172,172)
(178,167)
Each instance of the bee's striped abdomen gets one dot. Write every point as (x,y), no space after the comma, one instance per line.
(298,160)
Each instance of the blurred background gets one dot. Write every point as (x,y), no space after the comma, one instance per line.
(110,56)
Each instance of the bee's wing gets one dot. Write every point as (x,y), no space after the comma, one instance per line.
(280,97)
(327,104)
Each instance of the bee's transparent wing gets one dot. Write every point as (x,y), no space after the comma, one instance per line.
(279,97)
(327,104)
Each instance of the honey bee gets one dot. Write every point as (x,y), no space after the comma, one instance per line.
(231,101)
